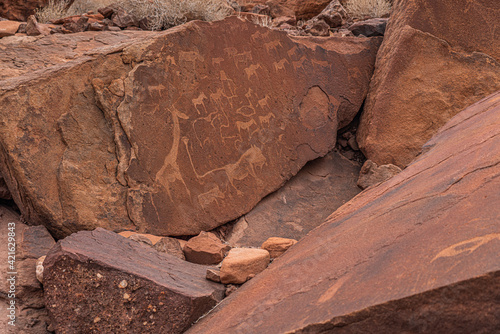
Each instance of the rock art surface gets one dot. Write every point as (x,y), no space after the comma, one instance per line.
(177,133)
(437,58)
(31,242)
(100,281)
(418,253)
(303,203)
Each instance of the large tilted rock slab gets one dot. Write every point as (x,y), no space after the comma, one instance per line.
(101,282)
(417,253)
(181,132)
(436,59)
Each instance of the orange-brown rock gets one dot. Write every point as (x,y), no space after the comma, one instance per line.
(417,253)
(153,238)
(437,58)
(171,137)
(101,282)
(242,264)
(302,204)
(302,9)
(277,246)
(8,28)
(205,248)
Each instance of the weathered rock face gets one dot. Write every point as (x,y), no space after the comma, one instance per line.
(178,133)
(302,9)
(31,242)
(437,58)
(303,203)
(101,282)
(417,253)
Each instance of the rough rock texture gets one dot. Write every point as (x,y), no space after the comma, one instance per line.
(418,253)
(302,9)
(242,264)
(371,173)
(137,237)
(277,246)
(31,242)
(437,58)
(303,203)
(205,248)
(8,28)
(170,246)
(19,10)
(178,133)
(101,282)
(369,28)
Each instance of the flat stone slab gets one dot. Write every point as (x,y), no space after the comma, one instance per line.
(417,253)
(100,281)
(302,204)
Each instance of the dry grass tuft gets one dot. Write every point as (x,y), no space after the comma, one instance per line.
(371,8)
(57,9)
(161,14)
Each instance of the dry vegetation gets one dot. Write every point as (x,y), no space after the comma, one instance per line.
(371,8)
(161,14)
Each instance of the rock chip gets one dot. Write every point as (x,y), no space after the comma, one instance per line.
(371,173)
(302,204)
(277,246)
(205,248)
(241,264)
(213,275)
(8,28)
(170,246)
(419,251)
(33,28)
(436,59)
(269,109)
(39,268)
(127,287)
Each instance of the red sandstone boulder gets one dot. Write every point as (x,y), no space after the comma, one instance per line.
(437,58)
(101,282)
(178,133)
(418,253)
(277,246)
